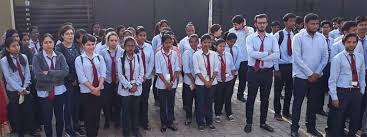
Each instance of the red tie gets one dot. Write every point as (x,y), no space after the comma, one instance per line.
(257,63)
(131,69)
(20,72)
(143,58)
(208,70)
(113,66)
(170,70)
(51,94)
(289,43)
(354,68)
(95,75)
(223,69)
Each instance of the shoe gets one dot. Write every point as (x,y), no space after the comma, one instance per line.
(81,132)
(242,99)
(323,113)
(217,119)
(287,116)
(212,127)
(230,118)
(70,134)
(201,128)
(163,129)
(247,128)
(278,117)
(106,125)
(137,133)
(314,132)
(294,134)
(188,121)
(147,127)
(172,127)
(267,127)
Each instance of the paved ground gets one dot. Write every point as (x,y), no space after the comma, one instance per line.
(225,128)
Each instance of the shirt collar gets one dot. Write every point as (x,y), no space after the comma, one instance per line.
(286,32)
(85,55)
(45,54)
(164,53)
(266,34)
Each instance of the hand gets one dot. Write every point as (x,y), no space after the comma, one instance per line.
(335,103)
(313,78)
(96,92)
(208,84)
(269,53)
(168,85)
(45,72)
(133,89)
(193,87)
(144,78)
(277,74)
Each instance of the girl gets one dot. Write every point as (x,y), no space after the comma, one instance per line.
(120,32)
(78,38)
(110,100)
(216,31)
(167,69)
(156,41)
(96,27)
(147,56)
(25,48)
(184,43)
(102,45)
(130,74)
(91,70)
(12,33)
(50,69)
(4,123)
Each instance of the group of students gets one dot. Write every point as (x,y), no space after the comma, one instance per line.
(113,70)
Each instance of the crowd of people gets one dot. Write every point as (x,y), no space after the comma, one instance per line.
(80,74)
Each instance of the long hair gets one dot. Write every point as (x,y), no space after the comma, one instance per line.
(22,60)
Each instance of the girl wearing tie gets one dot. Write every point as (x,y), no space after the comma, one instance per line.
(130,74)
(91,70)
(167,69)
(50,69)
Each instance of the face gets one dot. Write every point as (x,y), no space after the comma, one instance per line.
(16,36)
(335,25)
(352,30)
(325,29)
(121,32)
(261,24)
(13,48)
(194,42)
(25,41)
(167,45)
(163,25)
(350,44)
(237,26)
(35,34)
(362,27)
(275,28)
(312,26)
(218,33)
(206,44)
(96,28)
(190,30)
(141,37)
(290,23)
(220,47)
(231,42)
(130,46)
(79,40)
(112,41)
(68,36)
(89,46)
(48,44)
(299,26)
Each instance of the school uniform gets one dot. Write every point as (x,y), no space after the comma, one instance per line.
(20,112)
(339,47)
(310,55)
(184,44)
(35,46)
(234,51)
(326,74)
(346,84)
(243,58)
(224,91)
(188,94)
(130,73)
(90,70)
(156,41)
(100,47)
(167,65)
(363,110)
(51,88)
(110,99)
(335,33)
(146,54)
(260,73)
(284,65)
(206,65)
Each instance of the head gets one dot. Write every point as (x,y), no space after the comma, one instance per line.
(120,30)
(130,45)
(221,43)
(326,27)
(231,39)
(261,22)
(66,33)
(289,20)
(350,42)
(24,40)
(12,33)
(89,43)
(206,42)
(101,35)
(190,29)
(238,22)
(96,27)
(216,30)
(106,32)
(340,22)
(312,22)
(162,24)
(299,23)
(47,42)
(112,40)
(34,33)
(127,33)
(12,46)
(141,35)
(167,42)
(132,30)
(79,36)
(349,27)
(335,22)
(362,25)
(275,26)
(194,41)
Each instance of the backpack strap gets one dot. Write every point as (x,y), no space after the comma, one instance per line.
(281,37)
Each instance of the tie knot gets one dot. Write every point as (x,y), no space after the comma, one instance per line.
(351,54)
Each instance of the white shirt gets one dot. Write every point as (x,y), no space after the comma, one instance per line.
(125,81)
(161,67)
(34,45)
(228,61)
(335,33)
(253,44)
(241,41)
(339,47)
(235,56)
(99,47)
(184,45)
(284,58)
(149,60)
(105,53)
(188,66)
(200,62)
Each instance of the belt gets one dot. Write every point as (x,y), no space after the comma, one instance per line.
(347,90)
(261,69)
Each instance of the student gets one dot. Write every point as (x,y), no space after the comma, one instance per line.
(96,27)
(184,43)
(120,32)
(310,57)
(275,27)
(146,54)
(167,69)
(102,45)
(234,50)
(347,28)
(347,86)
(91,71)
(156,41)
(188,92)
(34,41)
(12,33)
(15,69)
(205,64)
(299,25)
(130,74)
(78,38)
(338,31)
(50,69)
(216,31)
(241,31)
(110,99)
(362,33)
(283,68)
(25,48)
(352,25)
(223,93)
(262,49)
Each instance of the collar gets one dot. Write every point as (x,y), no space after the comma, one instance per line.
(222,55)
(33,41)
(266,34)
(45,54)
(164,53)
(84,55)
(347,53)
(286,32)
(202,52)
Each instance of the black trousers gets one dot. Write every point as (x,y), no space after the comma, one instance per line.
(302,89)
(222,96)
(110,102)
(242,76)
(285,81)
(22,115)
(324,86)
(91,111)
(72,107)
(49,108)
(188,99)
(155,89)
(263,80)
(350,106)
(144,122)
(204,98)
(167,104)
(130,114)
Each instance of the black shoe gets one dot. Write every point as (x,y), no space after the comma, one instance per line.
(287,116)
(212,127)
(294,134)
(201,128)
(323,113)
(172,127)
(188,121)
(106,125)
(267,127)
(163,129)
(314,132)
(278,117)
(242,99)
(247,128)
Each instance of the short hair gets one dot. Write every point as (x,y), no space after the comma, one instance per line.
(140,29)
(340,20)
(335,19)
(205,36)
(347,36)
(87,38)
(231,36)
(238,19)
(195,36)
(311,16)
(326,22)
(166,37)
(260,16)
(118,28)
(347,25)
(79,33)
(219,41)
(65,28)
(288,16)
(299,20)
(361,19)
(275,23)
(214,28)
